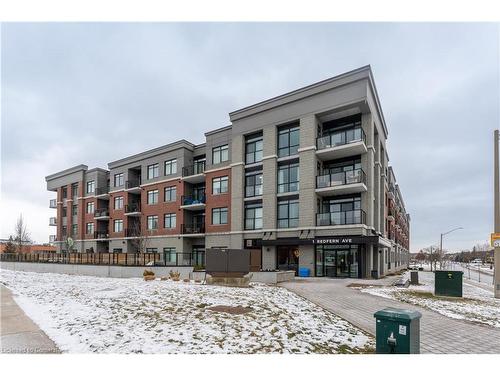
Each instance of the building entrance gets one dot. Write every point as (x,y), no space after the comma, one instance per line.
(338,261)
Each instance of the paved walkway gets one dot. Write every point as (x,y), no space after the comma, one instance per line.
(438,334)
(18,332)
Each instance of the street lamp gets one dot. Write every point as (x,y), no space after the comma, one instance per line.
(441,242)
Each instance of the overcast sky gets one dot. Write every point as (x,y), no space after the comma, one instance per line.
(94,93)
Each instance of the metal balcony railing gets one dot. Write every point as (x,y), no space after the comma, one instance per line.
(102,190)
(341,218)
(100,212)
(133,207)
(194,169)
(132,184)
(340,178)
(193,228)
(52,221)
(53,203)
(341,137)
(101,234)
(187,200)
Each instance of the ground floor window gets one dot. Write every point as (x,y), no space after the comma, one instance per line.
(287,258)
(338,260)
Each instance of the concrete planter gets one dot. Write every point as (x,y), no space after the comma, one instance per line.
(273,278)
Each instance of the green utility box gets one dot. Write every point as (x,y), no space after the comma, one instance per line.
(398,331)
(448,283)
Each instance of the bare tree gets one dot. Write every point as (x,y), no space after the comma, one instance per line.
(140,237)
(21,234)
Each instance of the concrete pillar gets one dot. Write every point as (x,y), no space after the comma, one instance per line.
(367,163)
(306,257)
(237,183)
(269,257)
(307,171)
(368,261)
(269,176)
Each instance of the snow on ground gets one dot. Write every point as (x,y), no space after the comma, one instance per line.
(106,315)
(478,305)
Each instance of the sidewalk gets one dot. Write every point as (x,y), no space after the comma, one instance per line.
(18,332)
(438,334)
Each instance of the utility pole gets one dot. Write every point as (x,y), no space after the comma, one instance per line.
(441,242)
(496,212)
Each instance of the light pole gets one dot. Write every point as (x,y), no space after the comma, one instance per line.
(441,242)
(496,211)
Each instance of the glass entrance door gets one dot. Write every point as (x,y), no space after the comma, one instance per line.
(342,263)
(337,261)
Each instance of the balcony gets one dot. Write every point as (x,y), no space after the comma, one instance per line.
(53,222)
(390,193)
(194,173)
(341,144)
(348,182)
(194,229)
(390,215)
(52,203)
(52,238)
(133,186)
(102,193)
(193,203)
(341,218)
(133,209)
(132,232)
(101,234)
(101,214)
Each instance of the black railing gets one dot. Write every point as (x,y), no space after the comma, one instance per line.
(101,212)
(52,221)
(194,169)
(187,200)
(193,228)
(341,178)
(133,207)
(102,190)
(341,137)
(341,218)
(52,203)
(101,234)
(106,259)
(132,184)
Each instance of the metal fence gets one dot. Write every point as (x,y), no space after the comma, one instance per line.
(110,259)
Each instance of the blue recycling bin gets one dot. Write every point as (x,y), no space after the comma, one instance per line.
(304,272)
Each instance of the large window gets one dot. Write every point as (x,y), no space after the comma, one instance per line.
(74,190)
(219,185)
(219,216)
(152,222)
(170,167)
(170,255)
(153,171)
(153,197)
(119,179)
(288,178)
(74,229)
(170,194)
(90,228)
(253,150)
(170,221)
(253,216)
(90,187)
(118,225)
(253,184)
(151,250)
(220,154)
(288,214)
(64,192)
(118,203)
(74,210)
(288,141)
(90,207)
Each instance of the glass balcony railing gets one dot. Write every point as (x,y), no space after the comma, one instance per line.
(341,218)
(342,137)
(340,178)
(52,203)
(101,212)
(194,169)
(193,228)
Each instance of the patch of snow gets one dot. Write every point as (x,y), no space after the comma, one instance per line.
(106,315)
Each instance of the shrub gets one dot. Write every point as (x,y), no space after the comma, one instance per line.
(148,273)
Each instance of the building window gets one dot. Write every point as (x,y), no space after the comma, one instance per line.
(151,250)
(153,197)
(118,203)
(117,251)
(170,167)
(90,187)
(253,216)
(288,178)
(65,211)
(219,216)
(219,185)
(170,254)
(288,214)
(253,184)
(74,190)
(64,192)
(152,222)
(90,228)
(118,225)
(220,154)
(74,229)
(74,210)
(153,171)
(288,141)
(90,207)
(170,194)
(253,150)
(170,221)
(119,179)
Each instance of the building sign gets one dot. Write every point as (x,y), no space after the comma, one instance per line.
(495,239)
(332,241)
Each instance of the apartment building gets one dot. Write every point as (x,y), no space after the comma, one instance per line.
(302,179)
